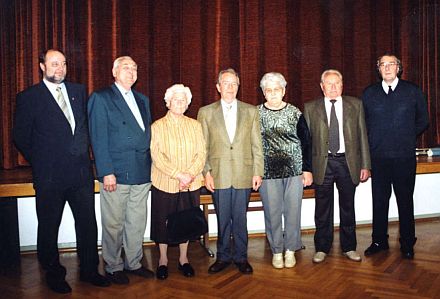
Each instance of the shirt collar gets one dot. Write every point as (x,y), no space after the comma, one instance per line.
(122,89)
(393,85)
(53,86)
(338,99)
(224,103)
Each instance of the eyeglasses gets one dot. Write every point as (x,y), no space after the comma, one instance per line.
(387,64)
(272,91)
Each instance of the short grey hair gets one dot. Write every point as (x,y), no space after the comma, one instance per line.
(118,61)
(273,77)
(230,71)
(331,72)
(176,88)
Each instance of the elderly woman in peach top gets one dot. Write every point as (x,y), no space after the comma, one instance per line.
(178,153)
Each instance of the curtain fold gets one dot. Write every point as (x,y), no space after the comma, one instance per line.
(190,41)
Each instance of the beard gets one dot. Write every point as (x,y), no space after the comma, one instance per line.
(55,79)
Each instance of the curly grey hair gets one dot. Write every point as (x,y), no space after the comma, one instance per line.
(272,77)
(176,88)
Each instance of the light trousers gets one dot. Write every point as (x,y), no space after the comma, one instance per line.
(282,200)
(124,220)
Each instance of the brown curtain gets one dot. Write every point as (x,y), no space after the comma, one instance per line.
(189,41)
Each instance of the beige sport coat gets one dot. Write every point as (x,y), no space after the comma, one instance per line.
(232,164)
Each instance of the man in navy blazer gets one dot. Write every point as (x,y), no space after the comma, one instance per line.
(119,121)
(51,131)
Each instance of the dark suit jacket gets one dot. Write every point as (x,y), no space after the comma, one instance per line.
(42,133)
(355,135)
(232,164)
(120,146)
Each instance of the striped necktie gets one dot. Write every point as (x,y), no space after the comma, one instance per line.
(63,105)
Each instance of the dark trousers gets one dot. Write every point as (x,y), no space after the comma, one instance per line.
(231,207)
(336,172)
(50,203)
(400,173)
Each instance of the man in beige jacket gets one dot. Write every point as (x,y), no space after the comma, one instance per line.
(234,165)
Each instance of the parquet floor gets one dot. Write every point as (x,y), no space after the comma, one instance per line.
(384,275)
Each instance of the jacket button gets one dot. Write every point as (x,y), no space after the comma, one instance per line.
(232,147)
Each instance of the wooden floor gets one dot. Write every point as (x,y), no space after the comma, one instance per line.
(384,275)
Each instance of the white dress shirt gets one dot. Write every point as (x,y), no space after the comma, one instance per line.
(393,85)
(131,102)
(53,90)
(339,115)
(230,116)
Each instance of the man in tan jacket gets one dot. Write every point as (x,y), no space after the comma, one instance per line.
(234,165)
(340,155)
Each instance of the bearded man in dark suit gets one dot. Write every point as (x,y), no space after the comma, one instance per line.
(51,132)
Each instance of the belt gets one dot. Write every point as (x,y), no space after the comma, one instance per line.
(337,155)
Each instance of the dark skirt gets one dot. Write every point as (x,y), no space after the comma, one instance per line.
(164,204)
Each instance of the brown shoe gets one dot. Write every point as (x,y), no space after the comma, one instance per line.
(218,266)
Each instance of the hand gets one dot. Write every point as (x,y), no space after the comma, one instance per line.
(209,182)
(109,182)
(365,174)
(307,178)
(256,182)
(185,179)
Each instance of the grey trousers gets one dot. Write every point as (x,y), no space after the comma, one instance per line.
(282,199)
(124,220)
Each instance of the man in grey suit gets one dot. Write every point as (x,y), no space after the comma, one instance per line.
(340,155)
(119,122)
(234,165)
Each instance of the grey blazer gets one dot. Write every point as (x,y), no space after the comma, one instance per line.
(355,135)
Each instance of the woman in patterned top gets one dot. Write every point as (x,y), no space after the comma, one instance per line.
(178,152)
(287,169)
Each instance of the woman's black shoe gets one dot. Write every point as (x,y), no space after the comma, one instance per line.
(162,272)
(186,269)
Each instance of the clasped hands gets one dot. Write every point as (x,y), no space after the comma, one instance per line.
(185,180)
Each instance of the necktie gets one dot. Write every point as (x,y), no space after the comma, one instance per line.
(63,105)
(333,130)
(390,90)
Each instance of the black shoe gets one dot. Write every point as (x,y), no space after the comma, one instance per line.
(142,271)
(409,255)
(218,266)
(117,277)
(59,286)
(244,267)
(55,279)
(162,272)
(95,279)
(186,269)
(375,248)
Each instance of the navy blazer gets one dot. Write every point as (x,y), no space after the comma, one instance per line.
(44,136)
(120,146)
